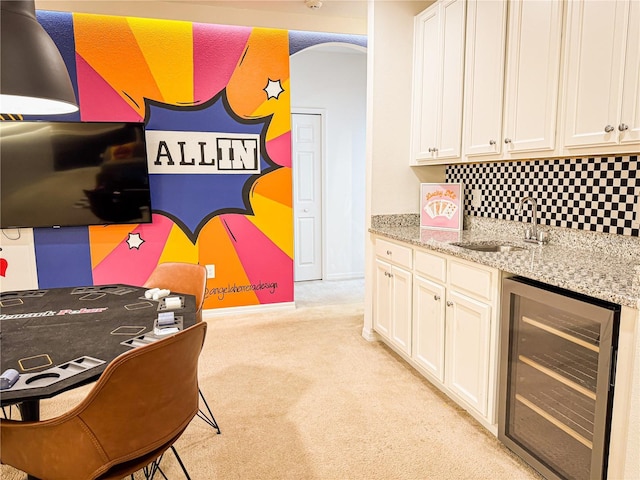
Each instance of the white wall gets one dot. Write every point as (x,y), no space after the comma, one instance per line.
(336,81)
(282,15)
(394,185)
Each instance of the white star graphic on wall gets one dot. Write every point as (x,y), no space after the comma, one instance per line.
(273,89)
(134,241)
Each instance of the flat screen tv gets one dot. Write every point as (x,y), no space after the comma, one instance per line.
(62,174)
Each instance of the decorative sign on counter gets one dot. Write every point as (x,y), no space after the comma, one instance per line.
(441,206)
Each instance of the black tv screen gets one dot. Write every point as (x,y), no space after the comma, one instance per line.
(61,174)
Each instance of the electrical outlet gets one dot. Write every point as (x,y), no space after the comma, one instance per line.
(211,271)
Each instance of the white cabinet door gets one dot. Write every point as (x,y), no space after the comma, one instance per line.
(382,298)
(630,115)
(401,309)
(596,39)
(428,326)
(425,84)
(449,137)
(392,304)
(438,78)
(532,75)
(484,76)
(467,349)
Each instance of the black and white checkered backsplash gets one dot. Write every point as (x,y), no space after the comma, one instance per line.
(596,194)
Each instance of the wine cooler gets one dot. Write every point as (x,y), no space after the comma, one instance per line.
(557,365)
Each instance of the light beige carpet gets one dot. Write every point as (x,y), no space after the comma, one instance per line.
(299,394)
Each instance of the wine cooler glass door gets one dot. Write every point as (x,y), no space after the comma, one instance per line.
(556,386)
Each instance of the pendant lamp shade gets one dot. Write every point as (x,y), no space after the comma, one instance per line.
(34,79)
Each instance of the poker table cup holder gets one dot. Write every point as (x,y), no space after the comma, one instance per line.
(150,337)
(55,374)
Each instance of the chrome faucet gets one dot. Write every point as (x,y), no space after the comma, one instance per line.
(532,234)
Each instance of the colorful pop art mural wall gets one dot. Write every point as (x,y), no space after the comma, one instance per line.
(216,105)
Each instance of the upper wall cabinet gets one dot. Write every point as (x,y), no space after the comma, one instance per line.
(438,77)
(602,81)
(484,76)
(532,76)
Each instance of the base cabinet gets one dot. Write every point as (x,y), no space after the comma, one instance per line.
(392,304)
(429,326)
(454,310)
(441,315)
(467,346)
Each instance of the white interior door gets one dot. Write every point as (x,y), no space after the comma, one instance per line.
(307,195)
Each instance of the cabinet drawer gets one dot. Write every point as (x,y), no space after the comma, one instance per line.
(432,266)
(394,253)
(471,279)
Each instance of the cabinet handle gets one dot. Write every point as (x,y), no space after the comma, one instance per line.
(623,126)
(430,149)
(436,297)
(388,252)
(449,304)
(608,128)
(507,140)
(492,142)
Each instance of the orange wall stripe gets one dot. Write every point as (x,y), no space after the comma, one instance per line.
(102,240)
(109,46)
(266,57)
(223,255)
(160,40)
(276,186)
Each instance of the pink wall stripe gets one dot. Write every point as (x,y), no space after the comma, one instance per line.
(217,49)
(279,149)
(264,263)
(98,100)
(118,266)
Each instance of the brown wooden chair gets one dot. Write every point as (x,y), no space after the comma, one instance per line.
(137,409)
(189,278)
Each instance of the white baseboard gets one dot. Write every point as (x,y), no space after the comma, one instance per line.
(220,312)
(345,276)
(370,335)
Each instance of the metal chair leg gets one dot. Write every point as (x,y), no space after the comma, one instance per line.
(203,415)
(175,452)
(151,470)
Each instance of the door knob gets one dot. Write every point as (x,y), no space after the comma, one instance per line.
(492,142)
(436,297)
(623,126)
(507,140)
(608,128)
(449,304)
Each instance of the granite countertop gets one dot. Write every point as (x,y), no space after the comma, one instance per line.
(603,266)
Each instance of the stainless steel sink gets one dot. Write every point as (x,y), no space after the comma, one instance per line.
(490,247)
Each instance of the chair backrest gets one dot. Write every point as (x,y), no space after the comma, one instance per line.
(146,397)
(140,405)
(181,277)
